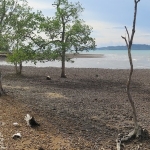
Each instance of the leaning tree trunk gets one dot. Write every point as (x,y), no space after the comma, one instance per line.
(138,131)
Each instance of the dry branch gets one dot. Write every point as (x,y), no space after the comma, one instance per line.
(137,129)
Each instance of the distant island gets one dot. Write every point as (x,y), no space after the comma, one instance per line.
(134,47)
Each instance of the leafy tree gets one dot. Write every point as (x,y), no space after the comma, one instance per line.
(16,23)
(7,8)
(67,32)
(19,55)
(24,38)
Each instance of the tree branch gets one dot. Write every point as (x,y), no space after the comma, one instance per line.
(125,40)
(127,34)
(134,22)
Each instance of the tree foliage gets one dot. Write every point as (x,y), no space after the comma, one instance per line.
(21,30)
(66,31)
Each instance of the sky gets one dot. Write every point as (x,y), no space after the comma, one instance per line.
(108,18)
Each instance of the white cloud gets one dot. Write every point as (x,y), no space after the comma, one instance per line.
(40,5)
(106,34)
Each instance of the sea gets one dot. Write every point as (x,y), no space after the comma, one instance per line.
(112,59)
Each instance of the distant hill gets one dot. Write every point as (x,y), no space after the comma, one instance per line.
(134,47)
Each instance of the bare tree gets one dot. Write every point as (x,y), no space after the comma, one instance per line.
(129,45)
(138,131)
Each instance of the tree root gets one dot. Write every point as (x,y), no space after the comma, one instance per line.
(2,92)
(138,133)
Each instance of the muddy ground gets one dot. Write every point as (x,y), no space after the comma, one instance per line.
(85,111)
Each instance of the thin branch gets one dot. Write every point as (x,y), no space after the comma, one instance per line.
(134,22)
(127,34)
(125,40)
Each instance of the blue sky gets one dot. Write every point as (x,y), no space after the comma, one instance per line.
(108,18)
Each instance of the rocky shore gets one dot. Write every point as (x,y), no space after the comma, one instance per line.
(86,110)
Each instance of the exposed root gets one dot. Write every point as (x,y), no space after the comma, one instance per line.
(118,144)
(138,133)
(2,92)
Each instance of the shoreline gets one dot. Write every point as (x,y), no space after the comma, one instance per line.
(53,67)
(85,55)
(92,61)
(70,55)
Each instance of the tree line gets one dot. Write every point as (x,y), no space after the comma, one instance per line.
(27,35)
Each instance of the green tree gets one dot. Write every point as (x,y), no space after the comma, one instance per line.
(67,32)
(7,8)
(24,37)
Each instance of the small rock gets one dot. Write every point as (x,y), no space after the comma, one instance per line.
(16,124)
(16,136)
(48,78)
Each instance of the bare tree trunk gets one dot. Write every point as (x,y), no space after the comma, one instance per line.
(128,91)
(16,67)
(63,75)
(2,92)
(20,68)
(129,45)
(138,131)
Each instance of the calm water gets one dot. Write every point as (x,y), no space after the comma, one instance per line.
(113,59)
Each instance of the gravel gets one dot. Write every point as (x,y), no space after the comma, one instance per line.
(89,105)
